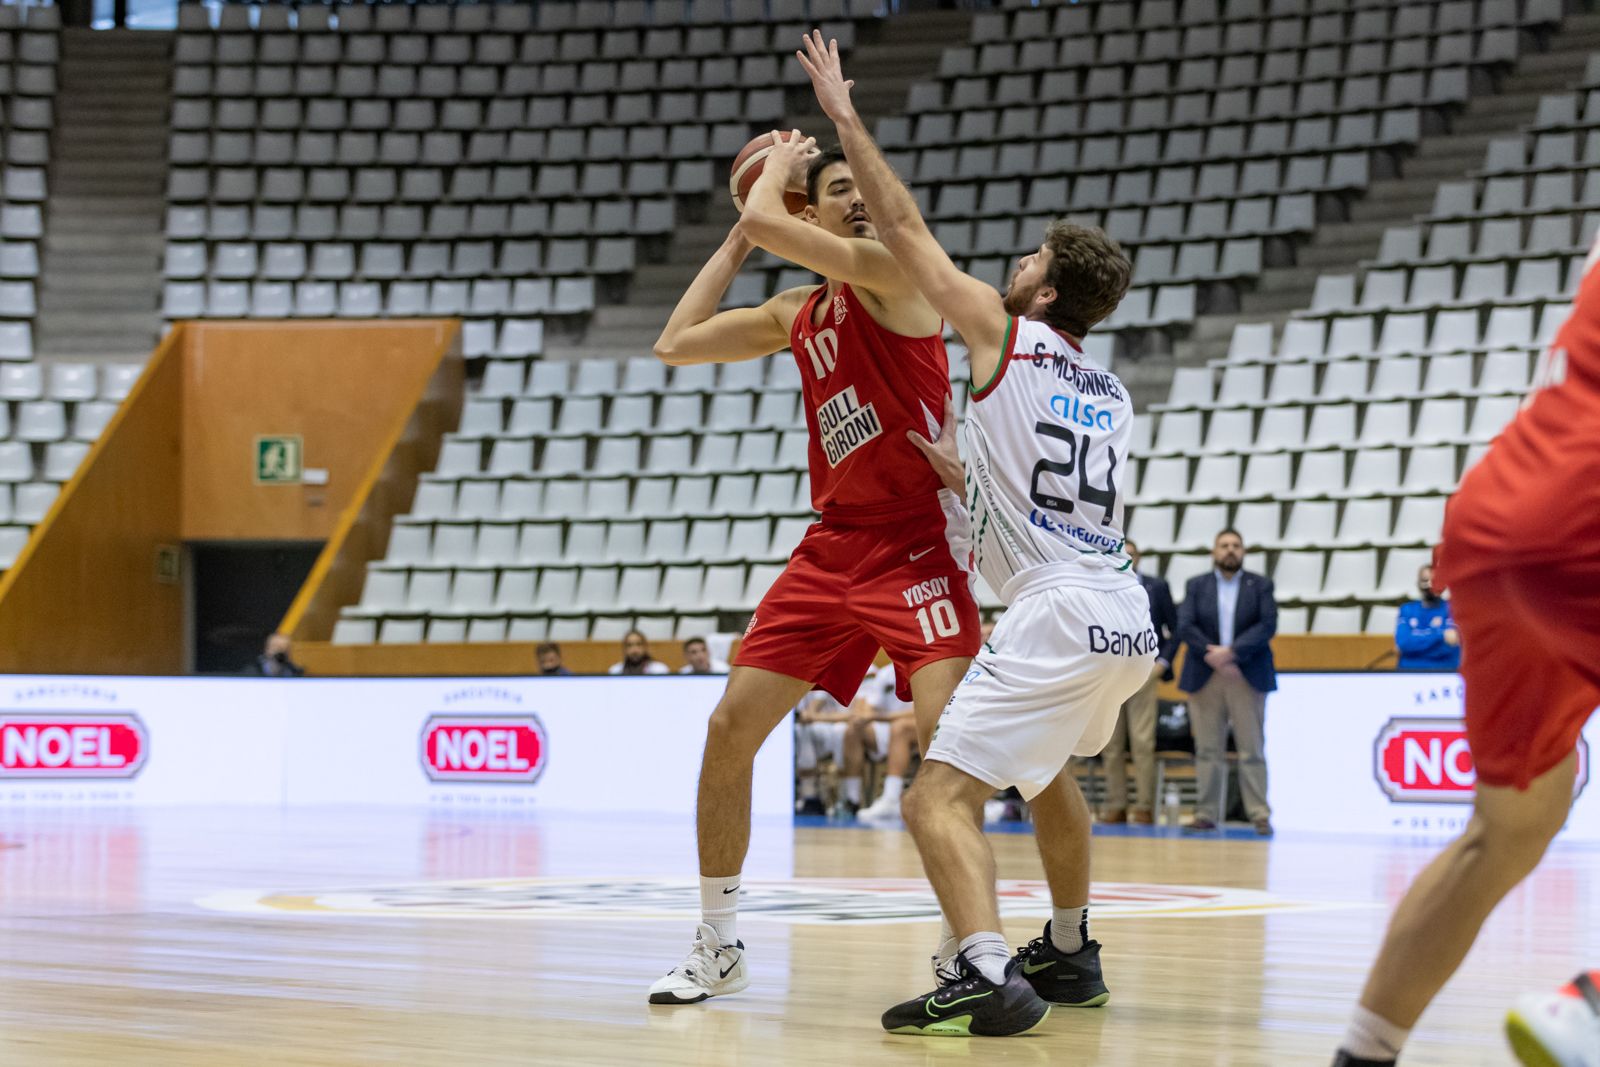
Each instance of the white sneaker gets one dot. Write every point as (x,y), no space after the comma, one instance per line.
(709,971)
(1560,1029)
(883,810)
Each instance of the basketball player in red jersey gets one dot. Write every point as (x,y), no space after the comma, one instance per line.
(1521,557)
(890,562)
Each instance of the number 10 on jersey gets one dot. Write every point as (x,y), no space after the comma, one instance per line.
(938,619)
(824,351)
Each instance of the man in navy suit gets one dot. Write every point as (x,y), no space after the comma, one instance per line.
(1227,622)
(1136,726)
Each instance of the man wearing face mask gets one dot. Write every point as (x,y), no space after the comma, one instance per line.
(1227,622)
(1426,634)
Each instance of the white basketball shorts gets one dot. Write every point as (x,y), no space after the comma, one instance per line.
(1047,686)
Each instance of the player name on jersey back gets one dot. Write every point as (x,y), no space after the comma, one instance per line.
(1048,439)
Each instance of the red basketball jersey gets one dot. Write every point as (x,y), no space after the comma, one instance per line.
(864,388)
(1535,497)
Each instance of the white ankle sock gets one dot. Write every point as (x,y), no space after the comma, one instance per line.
(1069,928)
(892,787)
(719,906)
(1372,1037)
(987,952)
(851,788)
(949,945)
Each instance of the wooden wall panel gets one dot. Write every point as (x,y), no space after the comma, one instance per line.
(84,596)
(1293,652)
(343,386)
(409,448)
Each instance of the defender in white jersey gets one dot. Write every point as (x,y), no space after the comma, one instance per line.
(1047,447)
(1048,436)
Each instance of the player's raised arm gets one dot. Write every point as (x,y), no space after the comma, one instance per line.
(973,308)
(697,333)
(863,264)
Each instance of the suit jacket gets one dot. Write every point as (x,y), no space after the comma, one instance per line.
(1255,621)
(1163,619)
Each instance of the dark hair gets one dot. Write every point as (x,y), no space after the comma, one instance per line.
(1224,532)
(635,633)
(694,641)
(547,646)
(1089,272)
(825,159)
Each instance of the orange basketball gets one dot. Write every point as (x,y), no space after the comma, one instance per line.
(747,168)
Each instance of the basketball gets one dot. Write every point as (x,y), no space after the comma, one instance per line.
(747,168)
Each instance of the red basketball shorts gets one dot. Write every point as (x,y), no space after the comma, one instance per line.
(1530,642)
(905,586)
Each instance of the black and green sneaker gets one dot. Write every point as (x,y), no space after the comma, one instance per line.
(972,1007)
(1072,980)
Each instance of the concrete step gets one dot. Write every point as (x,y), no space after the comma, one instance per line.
(1452,144)
(1268,301)
(69,264)
(77,228)
(64,205)
(632,315)
(98,302)
(592,351)
(1393,208)
(126,242)
(133,187)
(124,329)
(59,281)
(1442,167)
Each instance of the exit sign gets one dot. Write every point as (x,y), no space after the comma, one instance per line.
(279,460)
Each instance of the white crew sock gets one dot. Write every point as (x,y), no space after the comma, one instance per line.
(1069,928)
(851,788)
(719,906)
(987,952)
(892,787)
(949,944)
(1372,1037)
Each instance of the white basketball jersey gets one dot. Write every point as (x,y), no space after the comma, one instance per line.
(1047,462)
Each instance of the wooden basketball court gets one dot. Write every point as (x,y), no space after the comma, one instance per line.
(305,936)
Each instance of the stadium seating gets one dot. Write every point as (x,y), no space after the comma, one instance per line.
(1336,442)
(29,51)
(504,164)
(492,162)
(1200,135)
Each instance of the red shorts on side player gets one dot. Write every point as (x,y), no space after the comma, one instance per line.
(1530,639)
(904,585)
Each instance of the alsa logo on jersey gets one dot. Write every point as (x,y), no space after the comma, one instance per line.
(844,425)
(484,748)
(44,744)
(1428,761)
(1075,411)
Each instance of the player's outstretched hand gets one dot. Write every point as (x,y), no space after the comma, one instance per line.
(943,454)
(821,61)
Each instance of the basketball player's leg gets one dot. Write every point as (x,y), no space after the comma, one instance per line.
(1063,962)
(1441,914)
(793,642)
(755,701)
(989,997)
(1532,679)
